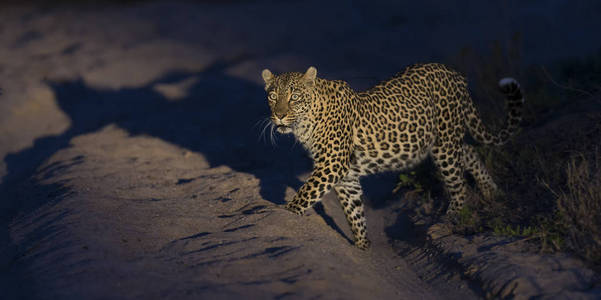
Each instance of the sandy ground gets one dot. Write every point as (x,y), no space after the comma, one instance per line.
(133,164)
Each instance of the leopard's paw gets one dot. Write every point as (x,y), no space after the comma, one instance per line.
(452,217)
(295,208)
(363,244)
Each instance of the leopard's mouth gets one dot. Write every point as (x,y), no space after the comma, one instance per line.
(283,129)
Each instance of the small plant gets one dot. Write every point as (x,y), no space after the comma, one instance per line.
(515,230)
(551,232)
(469,221)
(408,181)
(420,181)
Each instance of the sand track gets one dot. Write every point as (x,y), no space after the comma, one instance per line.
(134,165)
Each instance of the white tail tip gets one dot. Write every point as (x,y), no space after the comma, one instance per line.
(508,81)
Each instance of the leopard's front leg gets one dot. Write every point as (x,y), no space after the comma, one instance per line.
(319,183)
(349,194)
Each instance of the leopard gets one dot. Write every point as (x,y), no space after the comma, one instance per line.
(424,111)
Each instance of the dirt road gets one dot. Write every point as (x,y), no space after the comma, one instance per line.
(134,165)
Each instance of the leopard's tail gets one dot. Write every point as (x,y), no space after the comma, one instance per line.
(514,106)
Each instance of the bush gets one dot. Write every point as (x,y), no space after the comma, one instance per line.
(580,207)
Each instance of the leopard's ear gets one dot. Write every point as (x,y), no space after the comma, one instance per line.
(267,76)
(310,76)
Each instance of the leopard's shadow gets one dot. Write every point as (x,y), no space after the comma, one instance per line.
(218,118)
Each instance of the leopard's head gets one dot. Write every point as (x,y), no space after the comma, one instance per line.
(289,96)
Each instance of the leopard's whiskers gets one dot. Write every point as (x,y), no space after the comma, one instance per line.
(265,123)
(272,135)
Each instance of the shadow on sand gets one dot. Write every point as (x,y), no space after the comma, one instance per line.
(220,117)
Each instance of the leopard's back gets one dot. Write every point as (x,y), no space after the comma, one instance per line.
(400,119)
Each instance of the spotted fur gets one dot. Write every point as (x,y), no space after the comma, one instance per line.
(423,111)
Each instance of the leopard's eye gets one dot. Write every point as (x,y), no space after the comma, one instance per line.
(273,96)
(294,97)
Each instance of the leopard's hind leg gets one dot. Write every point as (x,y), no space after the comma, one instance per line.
(448,158)
(474,165)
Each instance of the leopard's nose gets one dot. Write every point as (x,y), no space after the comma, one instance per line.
(281,115)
